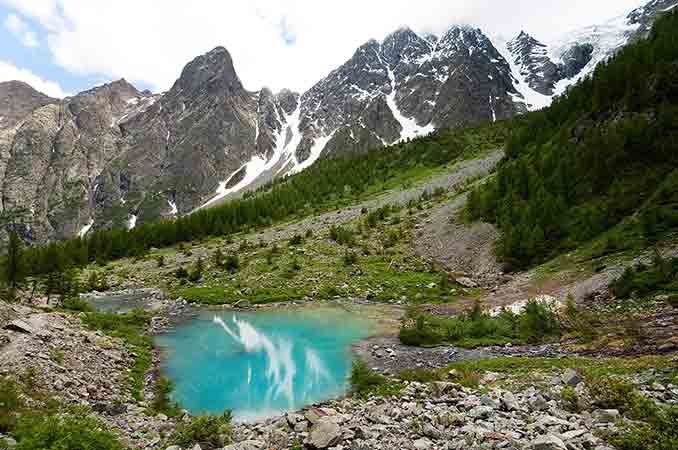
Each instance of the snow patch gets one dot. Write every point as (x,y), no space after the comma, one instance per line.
(132,221)
(174,210)
(410,128)
(532,99)
(606,40)
(253,168)
(316,150)
(258,164)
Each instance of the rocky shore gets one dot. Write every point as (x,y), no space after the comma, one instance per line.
(504,412)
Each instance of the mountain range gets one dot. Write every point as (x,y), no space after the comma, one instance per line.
(114,156)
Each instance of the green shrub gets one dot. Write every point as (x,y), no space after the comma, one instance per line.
(342,235)
(296,240)
(210,432)
(365,382)
(160,261)
(419,337)
(196,272)
(232,263)
(643,280)
(70,432)
(97,282)
(10,403)
(77,304)
(181,273)
(161,397)
(536,323)
(350,258)
(57,356)
(570,399)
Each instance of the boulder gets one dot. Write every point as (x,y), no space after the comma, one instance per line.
(466,282)
(606,415)
(509,402)
(324,434)
(422,444)
(572,378)
(480,412)
(245,445)
(431,431)
(548,442)
(313,415)
(20,326)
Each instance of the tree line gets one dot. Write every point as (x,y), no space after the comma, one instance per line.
(603,152)
(331,182)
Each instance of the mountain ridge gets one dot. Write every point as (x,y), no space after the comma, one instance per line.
(116,157)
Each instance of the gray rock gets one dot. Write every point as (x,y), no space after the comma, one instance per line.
(422,444)
(20,326)
(246,445)
(324,434)
(173,447)
(431,431)
(572,378)
(509,402)
(487,401)
(548,442)
(466,282)
(606,415)
(313,415)
(480,412)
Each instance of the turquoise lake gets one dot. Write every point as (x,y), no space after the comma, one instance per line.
(263,363)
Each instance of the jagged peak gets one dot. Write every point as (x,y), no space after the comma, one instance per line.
(214,68)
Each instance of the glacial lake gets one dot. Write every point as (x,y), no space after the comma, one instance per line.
(261,364)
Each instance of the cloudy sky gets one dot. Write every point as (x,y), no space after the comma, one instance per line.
(64,46)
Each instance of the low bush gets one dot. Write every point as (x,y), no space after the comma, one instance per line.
(38,431)
(209,431)
(296,240)
(342,235)
(161,397)
(366,382)
(350,258)
(76,304)
(536,323)
(232,263)
(10,403)
(643,280)
(656,427)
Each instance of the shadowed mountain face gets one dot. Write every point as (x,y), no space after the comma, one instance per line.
(116,157)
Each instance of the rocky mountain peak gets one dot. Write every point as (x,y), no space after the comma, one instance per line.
(18,100)
(403,44)
(212,73)
(644,16)
(535,65)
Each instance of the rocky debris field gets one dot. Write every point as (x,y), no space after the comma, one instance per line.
(455,176)
(457,246)
(503,413)
(58,358)
(387,355)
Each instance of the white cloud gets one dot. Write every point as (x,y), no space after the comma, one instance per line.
(291,43)
(16,25)
(9,72)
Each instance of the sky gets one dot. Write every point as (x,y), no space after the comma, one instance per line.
(62,47)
